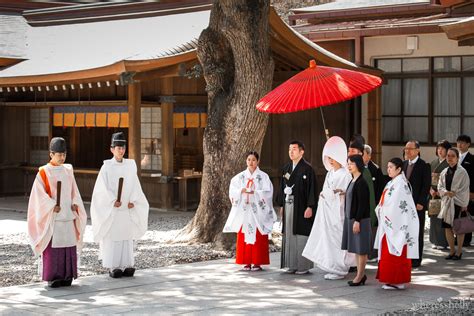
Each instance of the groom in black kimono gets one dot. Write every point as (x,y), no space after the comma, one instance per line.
(297,199)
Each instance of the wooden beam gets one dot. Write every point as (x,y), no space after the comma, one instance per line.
(280,76)
(280,62)
(374,121)
(105,73)
(183,99)
(298,59)
(5,61)
(134,123)
(309,50)
(66,103)
(167,140)
(51,124)
(177,70)
(466,42)
(359,50)
(364,12)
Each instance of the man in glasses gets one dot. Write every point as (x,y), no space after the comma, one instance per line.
(418,173)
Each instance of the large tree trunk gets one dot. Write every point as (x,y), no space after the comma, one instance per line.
(235,55)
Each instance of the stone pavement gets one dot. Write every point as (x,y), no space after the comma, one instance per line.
(218,287)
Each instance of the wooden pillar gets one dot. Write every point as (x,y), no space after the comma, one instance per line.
(134,123)
(73,145)
(374,121)
(51,123)
(167,140)
(359,50)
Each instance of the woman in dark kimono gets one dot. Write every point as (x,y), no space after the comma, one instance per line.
(357,227)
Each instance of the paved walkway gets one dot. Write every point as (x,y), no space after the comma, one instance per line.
(218,287)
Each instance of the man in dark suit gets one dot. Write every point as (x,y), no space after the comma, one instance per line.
(418,173)
(467,162)
(377,175)
(297,199)
(378,181)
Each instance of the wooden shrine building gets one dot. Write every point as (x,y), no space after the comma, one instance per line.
(84,72)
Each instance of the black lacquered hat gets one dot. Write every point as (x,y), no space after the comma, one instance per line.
(57,145)
(118,139)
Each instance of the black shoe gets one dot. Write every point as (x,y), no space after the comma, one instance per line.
(361,282)
(66,282)
(352,269)
(456,257)
(450,257)
(54,283)
(128,272)
(415,263)
(116,273)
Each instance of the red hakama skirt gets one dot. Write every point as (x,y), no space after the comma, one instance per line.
(257,253)
(393,269)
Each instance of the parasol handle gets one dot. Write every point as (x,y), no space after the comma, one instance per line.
(120,186)
(58,194)
(326,131)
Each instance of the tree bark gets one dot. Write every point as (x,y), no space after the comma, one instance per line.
(234,52)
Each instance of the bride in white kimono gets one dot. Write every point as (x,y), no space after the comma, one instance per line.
(252,214)
(324,242)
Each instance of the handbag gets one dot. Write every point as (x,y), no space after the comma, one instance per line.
(463,225)
(435,179)
(434,207)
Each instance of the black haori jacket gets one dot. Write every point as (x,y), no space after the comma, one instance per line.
(303,180)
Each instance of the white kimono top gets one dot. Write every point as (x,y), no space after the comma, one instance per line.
(65,228)
(117,224)
(251,211)
(398,219)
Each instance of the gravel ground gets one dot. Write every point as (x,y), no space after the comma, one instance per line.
(441,307)
(153,250)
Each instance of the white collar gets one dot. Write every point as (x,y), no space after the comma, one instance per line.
(295,164)
(251,175)
(412,162)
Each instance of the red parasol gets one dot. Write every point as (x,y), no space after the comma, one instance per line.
(315,87)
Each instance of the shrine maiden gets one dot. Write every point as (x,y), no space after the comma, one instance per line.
(252,214)
(397,234)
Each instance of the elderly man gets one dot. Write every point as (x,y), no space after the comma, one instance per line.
(379,181)
(418,173)
(378,177)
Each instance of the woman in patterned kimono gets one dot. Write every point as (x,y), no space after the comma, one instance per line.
(397,234)
(252,214)
(437,235)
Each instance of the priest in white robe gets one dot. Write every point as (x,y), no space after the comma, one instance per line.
(324,242)
(56,218)
(118,218)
